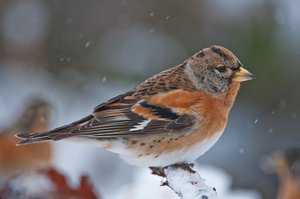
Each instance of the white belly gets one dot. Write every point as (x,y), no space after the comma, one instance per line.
(188,156)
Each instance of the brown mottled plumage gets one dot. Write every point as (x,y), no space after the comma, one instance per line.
(172,117)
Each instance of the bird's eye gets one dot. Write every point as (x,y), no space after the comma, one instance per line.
(221,69)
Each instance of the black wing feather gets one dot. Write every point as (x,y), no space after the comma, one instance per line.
(162,112)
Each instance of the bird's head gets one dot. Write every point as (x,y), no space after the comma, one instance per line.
(215,69)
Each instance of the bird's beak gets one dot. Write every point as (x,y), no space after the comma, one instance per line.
(242,75)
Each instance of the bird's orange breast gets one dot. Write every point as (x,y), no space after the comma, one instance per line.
(211,113)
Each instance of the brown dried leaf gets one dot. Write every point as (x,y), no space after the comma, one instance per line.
(63,189)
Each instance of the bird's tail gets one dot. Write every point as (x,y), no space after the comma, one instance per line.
(53,135)
(29,138)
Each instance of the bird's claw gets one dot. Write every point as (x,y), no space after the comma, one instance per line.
(160,171)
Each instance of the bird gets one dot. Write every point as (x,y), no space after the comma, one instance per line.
(172,117)
(13,160)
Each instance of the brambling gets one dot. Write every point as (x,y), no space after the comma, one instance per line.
(34,118)
(173,117)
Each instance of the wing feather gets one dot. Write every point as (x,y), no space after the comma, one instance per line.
(132,113)
(115,118)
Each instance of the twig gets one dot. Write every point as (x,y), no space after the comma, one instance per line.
(185,182)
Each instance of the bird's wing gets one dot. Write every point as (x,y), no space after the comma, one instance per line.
(126,115)
(155,106)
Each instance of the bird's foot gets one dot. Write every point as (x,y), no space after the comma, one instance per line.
(185,166)
(160,171)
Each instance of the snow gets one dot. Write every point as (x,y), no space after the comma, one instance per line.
(242,150)
(144,186)
(222,182)
(189,185)
(30,184)
(87,44)
(147,186)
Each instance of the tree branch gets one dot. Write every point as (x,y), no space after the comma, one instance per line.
(185,182)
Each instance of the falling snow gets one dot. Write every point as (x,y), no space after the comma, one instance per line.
(151,30)
(271,130)
(87,44)
(241,150)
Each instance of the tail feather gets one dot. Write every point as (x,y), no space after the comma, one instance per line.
(53,135)
(28,138)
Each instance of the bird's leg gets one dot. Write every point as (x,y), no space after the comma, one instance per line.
(158,171)
(185,166)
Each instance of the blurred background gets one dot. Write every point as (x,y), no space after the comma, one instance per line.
(76,54)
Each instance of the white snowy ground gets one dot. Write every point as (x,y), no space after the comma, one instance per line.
(146,186)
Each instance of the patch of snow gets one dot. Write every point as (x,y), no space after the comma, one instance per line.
(189,185)
(147,186)
(31,185)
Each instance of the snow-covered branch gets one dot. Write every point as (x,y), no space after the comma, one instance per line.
(186,183)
